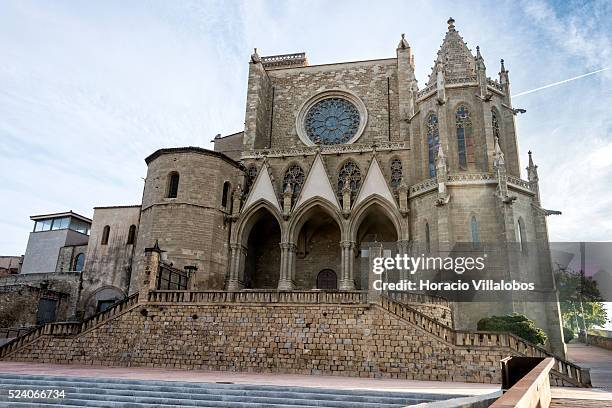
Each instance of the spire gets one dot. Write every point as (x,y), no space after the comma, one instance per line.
(532,170)
(503,73)
(454,54)
(403,44)
(479,60)
(451,24)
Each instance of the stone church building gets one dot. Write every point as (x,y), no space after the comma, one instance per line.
(336,160)
(336,155)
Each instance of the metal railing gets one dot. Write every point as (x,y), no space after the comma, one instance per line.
(12,332)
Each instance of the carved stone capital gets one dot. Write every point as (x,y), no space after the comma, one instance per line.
(288,246)
(347,244)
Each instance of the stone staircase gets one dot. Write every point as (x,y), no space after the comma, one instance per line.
(67,328)
(564,373)
(107,392)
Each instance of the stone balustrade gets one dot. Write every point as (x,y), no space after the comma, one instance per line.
(259,296)
(565,372)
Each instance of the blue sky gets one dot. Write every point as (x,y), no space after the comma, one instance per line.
(89,89)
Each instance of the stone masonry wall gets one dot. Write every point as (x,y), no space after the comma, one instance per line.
(366,79)
(355,340)
(18,306)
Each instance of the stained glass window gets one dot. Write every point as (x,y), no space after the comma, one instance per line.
(495,123)
(349,173)
(433,142)
(294,176)
(465,143)
(332,121)
(396,173)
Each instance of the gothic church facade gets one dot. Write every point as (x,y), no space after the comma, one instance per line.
(338,155)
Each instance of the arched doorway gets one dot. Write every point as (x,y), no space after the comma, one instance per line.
(317,239)
(327,280)
(374,231)
(262,265)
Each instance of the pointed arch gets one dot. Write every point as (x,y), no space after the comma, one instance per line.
(496,123)
(474,230)
(465,136)
(315,231)
(376,203)
(521,235)
(301,214)
(294,177)
(250,217)
(396,172)
(433,141)
(349,172)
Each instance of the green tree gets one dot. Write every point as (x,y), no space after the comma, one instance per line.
(580,300)
(515,323)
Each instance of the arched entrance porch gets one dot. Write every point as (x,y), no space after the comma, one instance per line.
(316,233)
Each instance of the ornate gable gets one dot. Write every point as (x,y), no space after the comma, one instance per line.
(375,184)
(317,184)
(262,189)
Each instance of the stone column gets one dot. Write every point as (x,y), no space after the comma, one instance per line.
(403,248)
(376,251)
(287,266)
(236,275)
(151,269)
(347,278)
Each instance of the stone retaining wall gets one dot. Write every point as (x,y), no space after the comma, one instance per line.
(349,340)
(600,341)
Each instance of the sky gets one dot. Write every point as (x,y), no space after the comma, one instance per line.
(89,89)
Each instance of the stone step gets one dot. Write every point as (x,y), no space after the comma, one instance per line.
(196,387)
(73,402)
(108,392)
(186,399)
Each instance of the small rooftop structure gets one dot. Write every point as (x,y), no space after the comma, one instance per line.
(63,220)
(285,61)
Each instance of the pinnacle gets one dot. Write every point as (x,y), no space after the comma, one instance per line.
(403,44)
(455,56)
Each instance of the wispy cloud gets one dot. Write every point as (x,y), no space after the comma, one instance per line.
(90,89)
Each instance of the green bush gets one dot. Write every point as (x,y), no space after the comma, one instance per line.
(516,324)
(568,334)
